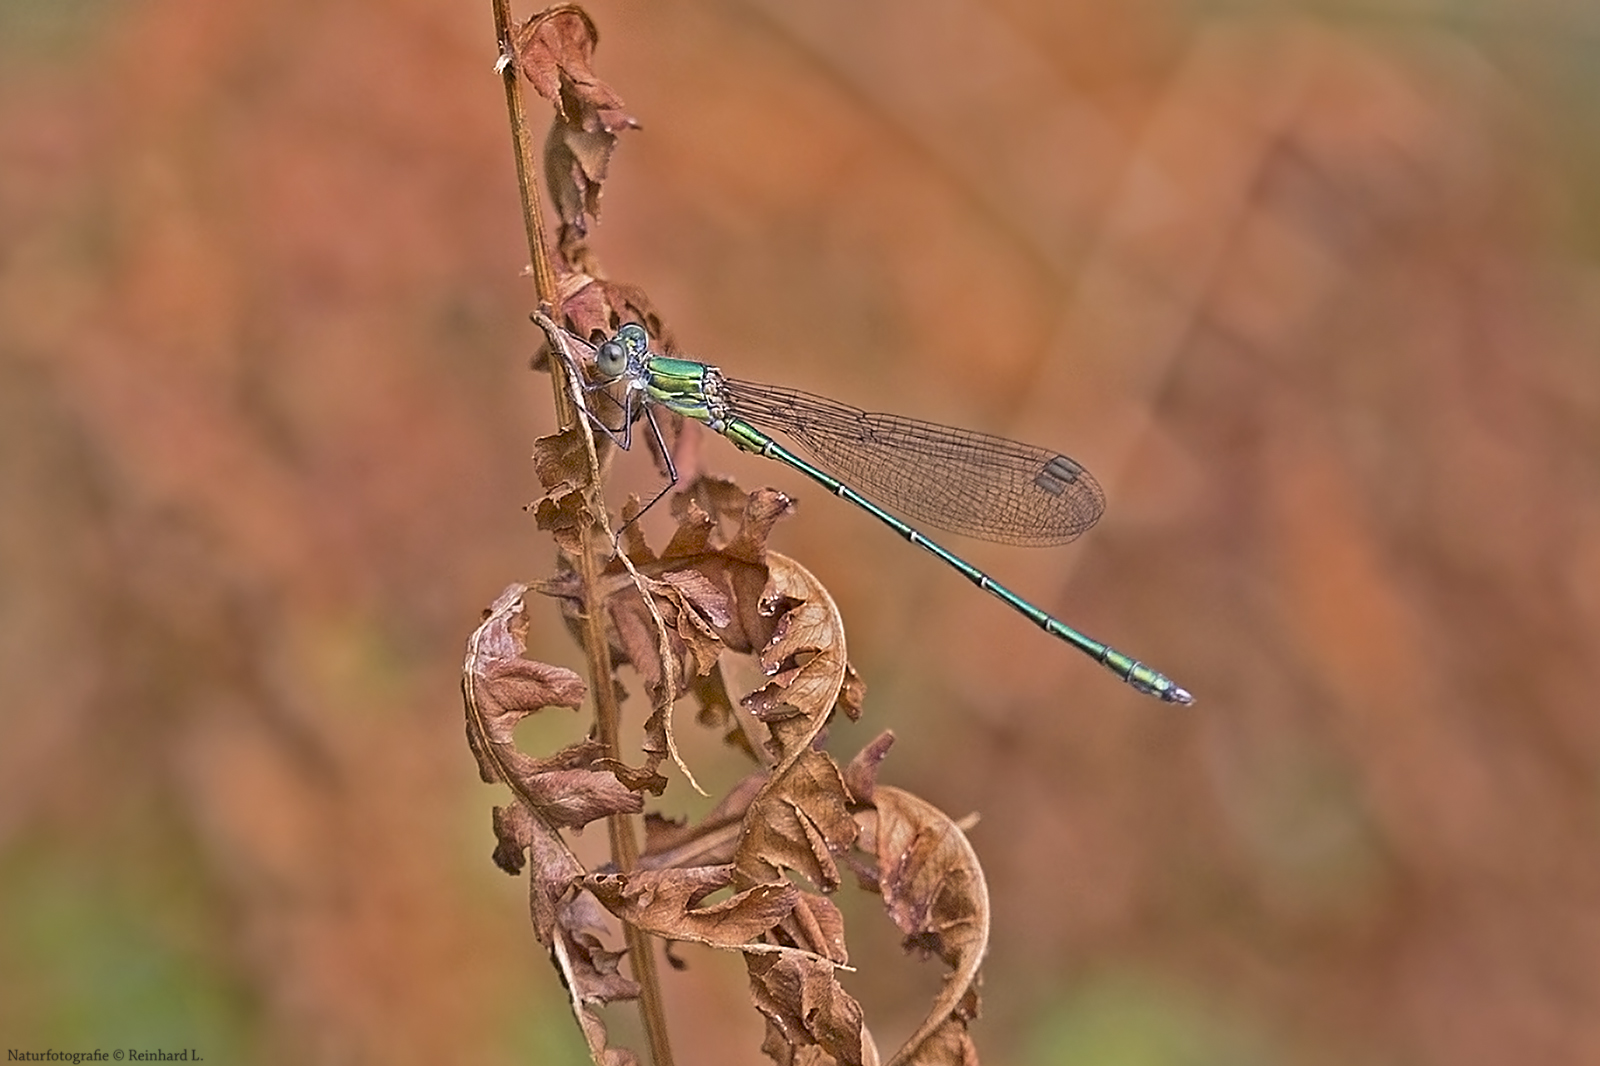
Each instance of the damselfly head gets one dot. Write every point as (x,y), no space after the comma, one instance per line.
(614,356)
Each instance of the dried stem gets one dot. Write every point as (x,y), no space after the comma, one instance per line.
(624,844)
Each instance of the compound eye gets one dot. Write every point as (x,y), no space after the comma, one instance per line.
(633,337)
(611,359)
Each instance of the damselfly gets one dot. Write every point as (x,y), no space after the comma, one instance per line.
(955,479)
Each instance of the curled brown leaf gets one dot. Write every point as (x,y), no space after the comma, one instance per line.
(553,50)
(714,591)
(861,774)
(561,462)
(934,890)
(816,925)
(709,597)
(808,1012)
(593,307)
(568,922)
(667,903)
(805,659)
(500,688)
(589,971)
(799,823)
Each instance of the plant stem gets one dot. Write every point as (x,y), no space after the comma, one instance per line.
(624,844)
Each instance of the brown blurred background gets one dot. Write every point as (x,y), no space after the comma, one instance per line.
(1311,288)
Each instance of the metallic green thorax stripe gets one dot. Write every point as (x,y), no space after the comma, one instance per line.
(694,390)
(685,387)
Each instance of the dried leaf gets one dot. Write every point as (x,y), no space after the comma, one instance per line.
(708,842)
(716,711)
(807,1011)
(589,971)
(553,51)
(730,592)
(805,658)
(852,694)
(561,462)
(950,1044)
(570,924)
(933,889)
(500,688)
(816,926)
(861,775)
(715,595)
(574,798)
(593,971)
(562,34)
(638,778)
(665,903)
(717,496)
(593,307)
(799,823)
(692,637)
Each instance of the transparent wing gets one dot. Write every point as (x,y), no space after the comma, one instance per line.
(954,479)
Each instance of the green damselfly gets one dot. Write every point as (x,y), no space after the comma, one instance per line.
(955,479)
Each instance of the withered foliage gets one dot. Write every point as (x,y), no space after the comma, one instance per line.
(755,875)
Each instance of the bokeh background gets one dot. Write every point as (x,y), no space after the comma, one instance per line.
(1310,287)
